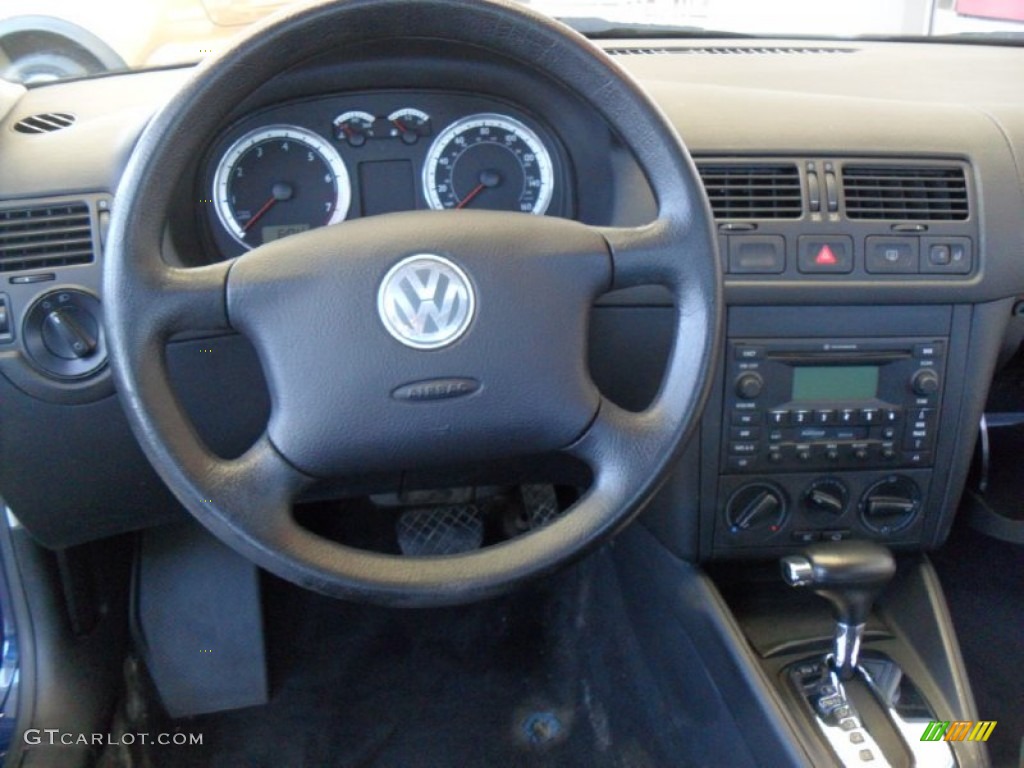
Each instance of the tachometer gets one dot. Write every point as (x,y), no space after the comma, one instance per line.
(488,161)
(279,180)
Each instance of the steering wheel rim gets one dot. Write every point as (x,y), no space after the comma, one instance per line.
(246,502)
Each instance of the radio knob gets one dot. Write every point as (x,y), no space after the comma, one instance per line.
(925,382)
(749,385)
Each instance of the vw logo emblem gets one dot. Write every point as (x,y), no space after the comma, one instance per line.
(425,301)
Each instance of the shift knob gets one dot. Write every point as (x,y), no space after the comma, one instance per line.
(850,575)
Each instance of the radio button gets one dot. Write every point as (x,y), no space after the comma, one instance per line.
(888,451)
(919,440)
(891,415)
(803,451)
(745,433)
(742,449)
(746,353)
(824,417)
(801,417)
(869,416)
(889,433)
(925,351)
(847,417)
(740,463)
(778,417)
(775,455)
(922,415)
(832,451)
(748,418)
(859,451)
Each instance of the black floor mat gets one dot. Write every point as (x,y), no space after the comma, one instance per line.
(984,584)
(550,676)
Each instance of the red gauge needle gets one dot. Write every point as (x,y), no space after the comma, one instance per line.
(263,209)
(476,191)
(280,191)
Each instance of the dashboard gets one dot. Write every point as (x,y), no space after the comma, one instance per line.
(871,231)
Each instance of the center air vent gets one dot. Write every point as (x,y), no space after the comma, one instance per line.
(746,191)
(915,193)
(44,123)
(45,236)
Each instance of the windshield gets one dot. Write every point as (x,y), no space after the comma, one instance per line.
(46,40)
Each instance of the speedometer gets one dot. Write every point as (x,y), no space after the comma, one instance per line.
(488,161)
(279,180)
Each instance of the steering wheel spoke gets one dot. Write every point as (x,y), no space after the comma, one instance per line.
(257,488)
(650,254)
(190,299)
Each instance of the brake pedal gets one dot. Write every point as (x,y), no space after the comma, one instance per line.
(445,530)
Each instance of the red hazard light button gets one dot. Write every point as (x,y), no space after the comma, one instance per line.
(825,257)
(825,254)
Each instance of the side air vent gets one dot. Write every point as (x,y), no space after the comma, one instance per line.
(915,193)
(761,191)
(44,123)
(720,50)
(45,236)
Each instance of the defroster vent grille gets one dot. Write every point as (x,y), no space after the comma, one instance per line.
(45,236)
(753,191)
(915,193)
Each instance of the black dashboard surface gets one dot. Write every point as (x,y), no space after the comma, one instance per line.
(800,102)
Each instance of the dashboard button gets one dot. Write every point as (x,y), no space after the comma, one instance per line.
(892,255)
(778,417)
(825,255)
(745,433)
(757,254)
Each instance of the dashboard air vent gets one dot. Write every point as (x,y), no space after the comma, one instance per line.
(915,193)
(45,236)
(748,191)
(44,123)
(723,50)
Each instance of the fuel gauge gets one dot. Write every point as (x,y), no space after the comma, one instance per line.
(409,124)
(355,127)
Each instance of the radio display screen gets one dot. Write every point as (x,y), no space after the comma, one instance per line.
(838,382)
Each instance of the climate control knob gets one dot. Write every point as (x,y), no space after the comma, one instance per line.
(925,382)
(758,506)
(827,495)
(749,385)
(890,505)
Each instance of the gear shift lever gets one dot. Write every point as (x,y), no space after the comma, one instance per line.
(850,575)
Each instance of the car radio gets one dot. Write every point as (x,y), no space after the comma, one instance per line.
(794,404)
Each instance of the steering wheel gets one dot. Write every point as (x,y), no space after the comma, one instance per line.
(356,324)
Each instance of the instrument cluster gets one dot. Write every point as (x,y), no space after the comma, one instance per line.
(308,164)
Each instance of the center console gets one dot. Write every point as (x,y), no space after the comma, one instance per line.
(825,437)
